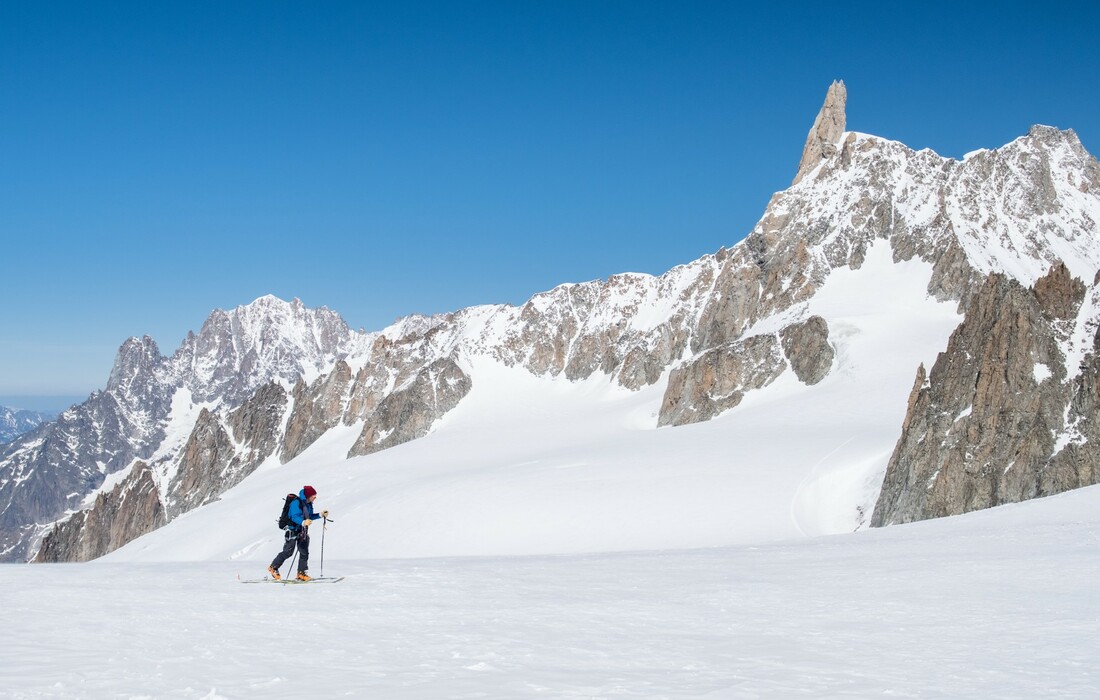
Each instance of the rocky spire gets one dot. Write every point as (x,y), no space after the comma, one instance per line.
(822,141)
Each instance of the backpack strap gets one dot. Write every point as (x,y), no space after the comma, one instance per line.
(301,507)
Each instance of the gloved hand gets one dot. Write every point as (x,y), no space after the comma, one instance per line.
(324,514)
(307,522)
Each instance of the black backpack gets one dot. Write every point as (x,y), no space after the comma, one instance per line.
(284,517)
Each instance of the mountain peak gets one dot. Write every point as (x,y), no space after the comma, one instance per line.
(269,338)
(888,245)
(822,140)
(136,356)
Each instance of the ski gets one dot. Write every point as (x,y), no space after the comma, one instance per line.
(292,581)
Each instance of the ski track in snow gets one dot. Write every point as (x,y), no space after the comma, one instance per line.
(1000,604)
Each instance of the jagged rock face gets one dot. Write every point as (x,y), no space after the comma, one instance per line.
(137,379)
(257,424)
(394,363)
(983,428)
(214,462)
(967,218)
(317,409)
(806,346)
(1077,464)
(206,458)
(826,131)
(374,381)
(1059,294)
(1019,208)
(47,472)
(609,327)
(644,365)
(209,465)
(738,295)
(718,380)
(131,509)
(237,351)
(409,412)
(578,330)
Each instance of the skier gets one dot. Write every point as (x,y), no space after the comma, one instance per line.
(301,515)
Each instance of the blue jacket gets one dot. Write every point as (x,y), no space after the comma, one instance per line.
(300,510)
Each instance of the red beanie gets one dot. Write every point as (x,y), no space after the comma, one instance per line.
(309,491)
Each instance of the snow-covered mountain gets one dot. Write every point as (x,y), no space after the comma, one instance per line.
(754,394)
(17,421)
(56,470)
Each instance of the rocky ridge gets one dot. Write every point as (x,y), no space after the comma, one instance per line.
(1008,411)
(1015,211)
(49,474)
(821,143)
(16,421)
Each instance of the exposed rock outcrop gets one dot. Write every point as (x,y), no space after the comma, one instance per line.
(205,459)
(48,472)
(719,379)
(410,411)
(1076,461)
(806,346)
(45,474)
(996,421)
(824,136)
(317,409)
(216,457)
(257,426)
(1030,203)
(129,510)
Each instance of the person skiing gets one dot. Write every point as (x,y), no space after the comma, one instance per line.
(301,515)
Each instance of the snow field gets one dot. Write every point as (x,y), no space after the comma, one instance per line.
(1000,604)
(547,541)
(533,465)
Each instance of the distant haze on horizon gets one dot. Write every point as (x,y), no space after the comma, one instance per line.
(48,404)
(383,159)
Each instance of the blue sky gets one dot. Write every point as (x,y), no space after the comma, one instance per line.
(160,160)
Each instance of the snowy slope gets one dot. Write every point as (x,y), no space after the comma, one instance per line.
(1016,210)
(530,462)
(996,604)
(538,465)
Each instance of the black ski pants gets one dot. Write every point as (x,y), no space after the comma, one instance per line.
(300,538)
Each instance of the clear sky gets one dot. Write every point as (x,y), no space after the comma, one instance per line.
(162,159)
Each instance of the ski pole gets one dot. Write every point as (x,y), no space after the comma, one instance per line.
(291,563)
(292,560)
(324,529)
